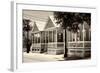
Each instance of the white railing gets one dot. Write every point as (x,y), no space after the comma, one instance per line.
(74,44)
(79,48)
(37,45)
(60,44)
(56,45)
(52,45)
(79,44)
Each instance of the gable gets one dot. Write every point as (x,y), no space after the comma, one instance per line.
(35,28)
(86,26)
(49,24)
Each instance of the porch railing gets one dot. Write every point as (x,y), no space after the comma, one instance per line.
(52,45)
(36,45)
(76,44)
(79,48)
(79,44)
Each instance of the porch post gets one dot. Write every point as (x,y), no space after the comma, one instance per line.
(56,38)
(76,39)
(44,42)
(37,38)
(34,38)
(48,36)
(72,36)
(52,37)
(83,40)
(89,34)
(45,36)
(40,37)
(68,36)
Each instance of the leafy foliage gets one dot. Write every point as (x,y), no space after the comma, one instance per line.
(26,40)
(71,20)
(26,26)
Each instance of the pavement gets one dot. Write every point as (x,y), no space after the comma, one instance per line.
(44,57)
(38,57)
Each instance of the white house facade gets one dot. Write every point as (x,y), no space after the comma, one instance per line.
(51,39)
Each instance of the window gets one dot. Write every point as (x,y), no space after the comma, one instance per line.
(60,37)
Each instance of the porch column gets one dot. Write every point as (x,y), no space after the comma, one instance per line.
(37,38)
(40,40)
(78,38)
(83,40)
(52,37)
(34,38)
(72,36)
(48,36)
(40,37)
(56,38)
(69,36)
(75,37)
(46,41)
(89,34)
(45,36)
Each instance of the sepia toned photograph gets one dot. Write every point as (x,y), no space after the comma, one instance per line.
(55,36)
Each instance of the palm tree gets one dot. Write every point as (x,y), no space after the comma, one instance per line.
(70,21)
(26,28)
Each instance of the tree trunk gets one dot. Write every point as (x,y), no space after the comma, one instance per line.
(66,49)
(28,49)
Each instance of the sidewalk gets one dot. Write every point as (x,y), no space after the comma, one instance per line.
(38,57)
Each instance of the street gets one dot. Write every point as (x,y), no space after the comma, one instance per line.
(38,57)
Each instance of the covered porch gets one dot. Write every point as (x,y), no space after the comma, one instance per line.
(52,41)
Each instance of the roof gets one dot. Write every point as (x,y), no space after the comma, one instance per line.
(36,24)
(35,28)
(40,26)
(53,21)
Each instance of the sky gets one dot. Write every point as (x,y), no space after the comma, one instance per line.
(40,17)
